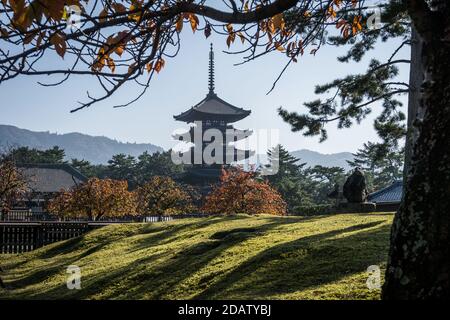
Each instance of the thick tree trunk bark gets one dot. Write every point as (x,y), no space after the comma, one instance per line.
(418,266)
(414,96)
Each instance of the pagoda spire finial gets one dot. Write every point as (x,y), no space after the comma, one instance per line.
(211,70)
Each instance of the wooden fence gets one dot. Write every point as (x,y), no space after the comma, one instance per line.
(17,236)
(26,215)
(29,216)
(174,217)
(22,237)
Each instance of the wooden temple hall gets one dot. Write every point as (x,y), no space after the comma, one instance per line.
(213,113)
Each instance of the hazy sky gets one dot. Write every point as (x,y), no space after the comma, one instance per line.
(182,84)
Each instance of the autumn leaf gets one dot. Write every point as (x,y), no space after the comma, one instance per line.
(331,12)
(194,22)
(356,25)
(132,67)
(229,28)
(111,64)
(102,15)
(230,39)
(40,38)
(271,27)
(135,16)
(119,49)
(241,36)
(118,7)
(159,65)
(59,42)
(346,32)
(3,32)
(179,24)
(30,36)
(207,30)
(340,23)
(55,10)
(289,47)
(278,21)
(279,47)
(23,18)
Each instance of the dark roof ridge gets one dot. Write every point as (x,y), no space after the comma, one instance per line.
(385,190)
(63,166)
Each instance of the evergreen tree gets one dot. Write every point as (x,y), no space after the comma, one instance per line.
(289,181)
(323,181)
(26,155)
(156,164)
(381,164)
(352,97)
(123,167)
(90,170)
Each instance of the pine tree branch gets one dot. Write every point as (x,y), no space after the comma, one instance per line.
(386,95)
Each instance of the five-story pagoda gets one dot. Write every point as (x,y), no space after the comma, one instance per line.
(216,114)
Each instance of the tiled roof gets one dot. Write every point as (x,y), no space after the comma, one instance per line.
(391,194)
(48,178)
(212,107)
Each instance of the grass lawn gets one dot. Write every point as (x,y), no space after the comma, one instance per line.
(240,257)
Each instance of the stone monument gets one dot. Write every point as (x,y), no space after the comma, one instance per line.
(356,193)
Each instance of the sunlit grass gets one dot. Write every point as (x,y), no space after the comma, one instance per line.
(263,257)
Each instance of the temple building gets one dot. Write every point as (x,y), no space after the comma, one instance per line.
(389,198)
(45,181)
(213,113)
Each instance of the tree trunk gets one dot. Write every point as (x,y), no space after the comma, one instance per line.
(418,265)
(414,96)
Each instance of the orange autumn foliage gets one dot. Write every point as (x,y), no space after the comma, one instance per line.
(239,192)
(94,199)
(163,196)
(13,182)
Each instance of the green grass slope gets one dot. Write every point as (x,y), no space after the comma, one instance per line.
(241,257)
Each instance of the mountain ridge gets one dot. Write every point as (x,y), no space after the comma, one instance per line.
(313,158)
(96,149)
(99,149)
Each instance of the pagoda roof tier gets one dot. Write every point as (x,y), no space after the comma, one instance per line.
(235,154)
(213,108)
(230,135)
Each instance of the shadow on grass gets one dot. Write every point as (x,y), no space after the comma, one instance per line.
(142,279)
(147,277)
(312,261)
(182,265)
(161,280)
(61,255)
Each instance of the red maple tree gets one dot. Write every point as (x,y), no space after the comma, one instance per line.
(240,192)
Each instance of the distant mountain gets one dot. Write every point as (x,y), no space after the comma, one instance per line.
(101,149)
(76,145)
(313,158)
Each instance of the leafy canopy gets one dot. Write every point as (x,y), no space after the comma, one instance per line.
(118,41)
(240,192)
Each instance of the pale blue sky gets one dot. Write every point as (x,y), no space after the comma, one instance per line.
(183,83)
